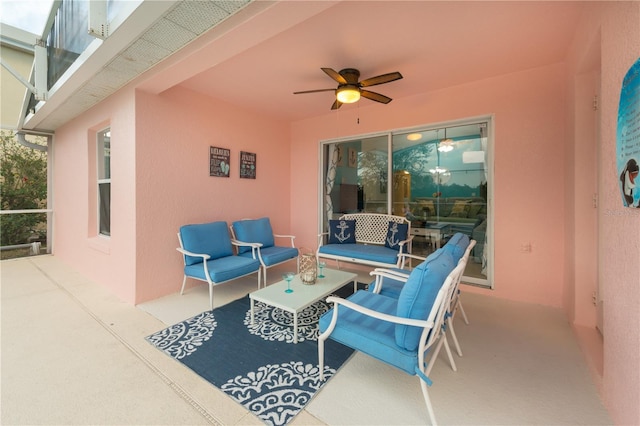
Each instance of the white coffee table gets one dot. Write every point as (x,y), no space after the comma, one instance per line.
(303,295)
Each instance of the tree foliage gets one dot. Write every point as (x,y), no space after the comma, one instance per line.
(23,185)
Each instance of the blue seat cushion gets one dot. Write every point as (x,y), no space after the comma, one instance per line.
(342,231)
(369,335)
(396,232)
(369,252)
(275,254)
(223,269)
(457,245)
(418,294)
(253,231)
(206,238)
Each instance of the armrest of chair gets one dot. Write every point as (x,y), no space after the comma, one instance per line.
(396,275)
(245,244)
(402,244)
(320,238)
(291,237)
(255,248)
(381,273)
(404,256)
(338,301)
(188,253)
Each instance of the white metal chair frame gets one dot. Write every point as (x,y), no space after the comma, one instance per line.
(434,322)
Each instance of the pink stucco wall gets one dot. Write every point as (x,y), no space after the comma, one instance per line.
(615,27)
(173,134)
(108,261)
(529,111)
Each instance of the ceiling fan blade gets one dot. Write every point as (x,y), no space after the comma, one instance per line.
(375,96)
(334,75)
(381,79)
(314,91)
(337,104)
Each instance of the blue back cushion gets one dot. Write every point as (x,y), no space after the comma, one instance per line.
(342,231)
(254,231)
(206,238)
(418,294)
(396,232)
(457,245)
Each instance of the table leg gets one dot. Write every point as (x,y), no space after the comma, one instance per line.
(251,311)
(436,237)
(295,327)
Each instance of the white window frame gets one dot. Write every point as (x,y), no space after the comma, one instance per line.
(103,177)
(489,119)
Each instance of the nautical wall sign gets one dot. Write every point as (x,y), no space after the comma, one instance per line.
(628,138)
(219,161)
(247,165)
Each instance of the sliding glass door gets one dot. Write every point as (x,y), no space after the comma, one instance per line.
(436,176)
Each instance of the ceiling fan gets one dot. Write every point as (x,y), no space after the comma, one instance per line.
(350,89)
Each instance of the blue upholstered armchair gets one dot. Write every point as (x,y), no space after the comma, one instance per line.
(207,252)
(389,282)
(261,243)
(397,331)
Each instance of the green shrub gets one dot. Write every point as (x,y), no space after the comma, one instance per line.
(23,185)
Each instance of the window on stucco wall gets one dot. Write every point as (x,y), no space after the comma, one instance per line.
(439,177)
(104,181)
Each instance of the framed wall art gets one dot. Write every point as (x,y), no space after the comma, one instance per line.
(219,161)
(247,165)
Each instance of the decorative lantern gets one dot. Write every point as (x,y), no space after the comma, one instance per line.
(308,268)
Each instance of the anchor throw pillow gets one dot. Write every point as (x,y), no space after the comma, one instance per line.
(396,232)
(342,231)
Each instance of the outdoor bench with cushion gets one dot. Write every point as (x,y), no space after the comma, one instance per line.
(372,239)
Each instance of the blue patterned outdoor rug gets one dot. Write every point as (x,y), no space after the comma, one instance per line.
(259,366)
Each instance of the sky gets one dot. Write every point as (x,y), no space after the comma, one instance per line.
(28,15)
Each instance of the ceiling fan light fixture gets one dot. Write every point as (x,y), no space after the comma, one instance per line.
(348,94)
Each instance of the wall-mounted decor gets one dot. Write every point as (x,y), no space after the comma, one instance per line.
(628,138)
(219,161)
(353,158)
(247,165)
(340,150)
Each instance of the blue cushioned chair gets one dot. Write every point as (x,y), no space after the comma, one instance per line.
(389,282)
(207,252)
(261,243)
(397,331)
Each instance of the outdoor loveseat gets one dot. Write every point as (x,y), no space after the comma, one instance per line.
(372,239)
